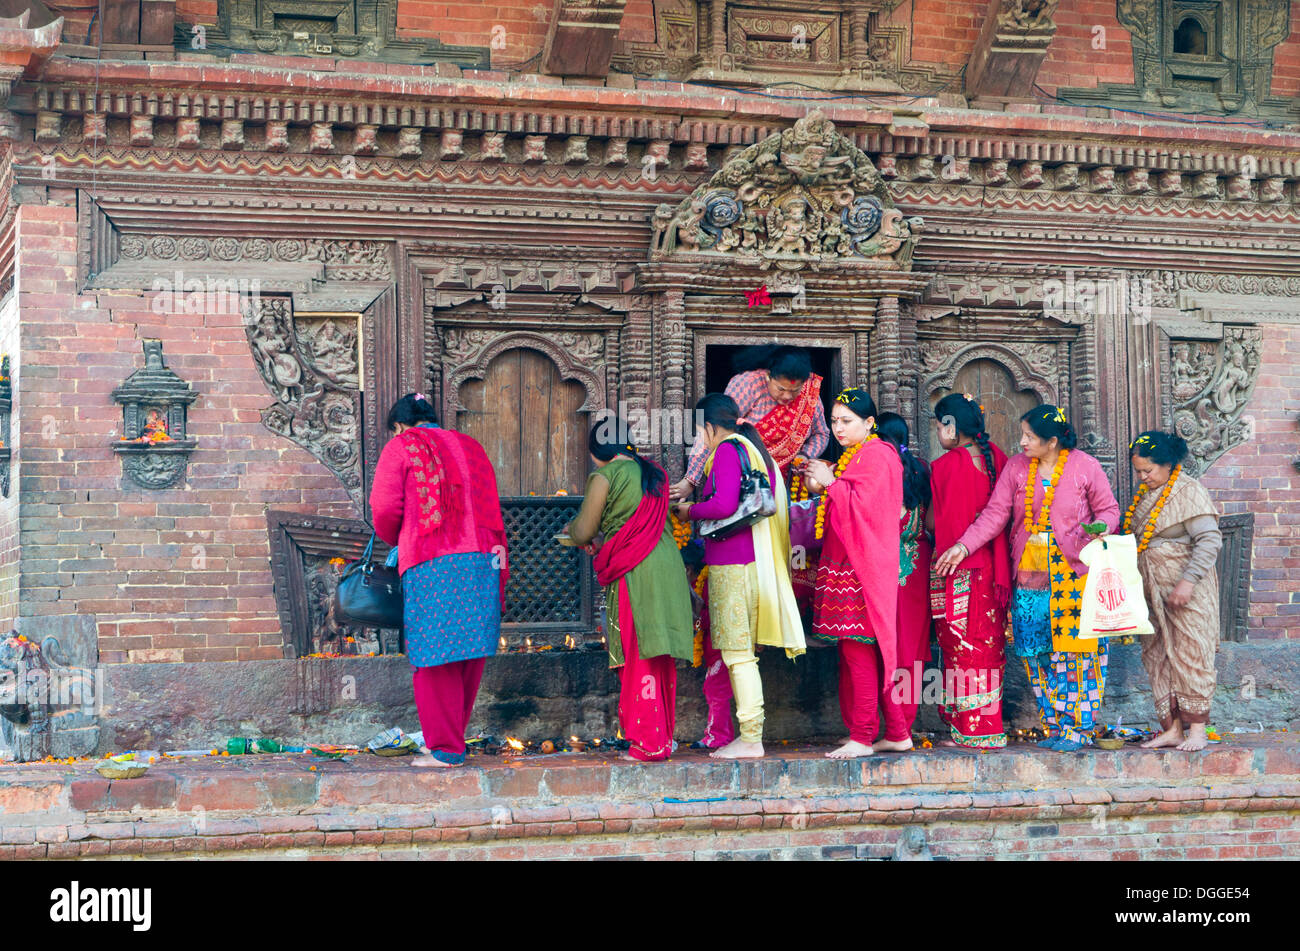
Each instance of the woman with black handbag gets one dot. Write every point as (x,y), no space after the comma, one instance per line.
(435,497)
(748,557)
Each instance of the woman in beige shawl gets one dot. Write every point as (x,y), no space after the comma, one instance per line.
(1177,529)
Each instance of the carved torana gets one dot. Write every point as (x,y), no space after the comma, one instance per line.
(806,195)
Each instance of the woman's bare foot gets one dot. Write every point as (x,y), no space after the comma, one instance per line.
(430,761)
(892,746)
(850,750)
(739,749)
(1198,739)
(1171,737)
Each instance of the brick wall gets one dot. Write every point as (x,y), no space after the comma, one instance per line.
(1258,476)
(9,549)
(1073,60)
(175,575)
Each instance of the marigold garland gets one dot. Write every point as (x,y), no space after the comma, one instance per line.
(798,487)
(845,458)
(697,650)
(1150,529)
(1031,484)
(681,531)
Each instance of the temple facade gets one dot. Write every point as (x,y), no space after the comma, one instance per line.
(234,232)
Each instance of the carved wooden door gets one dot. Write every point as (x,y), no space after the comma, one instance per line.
(991,383)
(527,419)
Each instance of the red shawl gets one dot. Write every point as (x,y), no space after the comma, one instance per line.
(632,543)
(961,492)
(434,494)
(864,507)
(785,429)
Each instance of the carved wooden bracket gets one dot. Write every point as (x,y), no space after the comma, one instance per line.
(1010,48)
(580,38)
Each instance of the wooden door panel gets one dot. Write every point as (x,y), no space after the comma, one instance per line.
(991,383)
(527,419)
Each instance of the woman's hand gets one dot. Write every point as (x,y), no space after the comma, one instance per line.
(818,475)
(682,510)
(1181,594)
(681,490)
(947,562)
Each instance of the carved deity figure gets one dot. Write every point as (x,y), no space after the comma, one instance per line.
(1026,14)
(1235,379)
(788,229)
(271,347)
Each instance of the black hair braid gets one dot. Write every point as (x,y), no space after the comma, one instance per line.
(982,440)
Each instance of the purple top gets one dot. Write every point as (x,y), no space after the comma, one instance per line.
(721,497)
(1083,495)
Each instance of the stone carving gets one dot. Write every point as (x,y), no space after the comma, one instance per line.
(1211,419)
(1024,15)
(142,131)
(330,347)
(343,260)
(365,140)
(277,136)
(308,373)
(1191,364)
(331,634)
(1166,285)
(154,445)
(451,145)
(48,693)
(806,194)
(94,128)
(408,142)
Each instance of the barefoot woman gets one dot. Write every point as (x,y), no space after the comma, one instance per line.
(856,600)
(1177,528)
(648,602)
(969,605)
(436,494)
(750,598)
(1049,492)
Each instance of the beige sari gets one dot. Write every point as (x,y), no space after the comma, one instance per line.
(1179,657)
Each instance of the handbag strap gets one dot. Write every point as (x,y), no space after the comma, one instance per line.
(366,565)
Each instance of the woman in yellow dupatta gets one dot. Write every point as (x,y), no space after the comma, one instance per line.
(751,601)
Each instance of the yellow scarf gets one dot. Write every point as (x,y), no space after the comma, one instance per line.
(779,624)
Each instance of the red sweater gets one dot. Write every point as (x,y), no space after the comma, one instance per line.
(394,493)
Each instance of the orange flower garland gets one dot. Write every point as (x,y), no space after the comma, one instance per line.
(681,531)
(1150,529)
(798,487)
(1031,484)
(845,458)
(697,649)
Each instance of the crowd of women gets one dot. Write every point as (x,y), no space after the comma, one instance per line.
(980,549)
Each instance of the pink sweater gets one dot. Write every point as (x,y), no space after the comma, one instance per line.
(1083,495)
(721,498)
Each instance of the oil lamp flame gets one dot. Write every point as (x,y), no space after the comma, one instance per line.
(513,743)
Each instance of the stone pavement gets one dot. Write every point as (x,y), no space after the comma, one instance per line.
(1239,799)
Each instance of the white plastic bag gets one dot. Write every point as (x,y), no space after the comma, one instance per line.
(1113,602)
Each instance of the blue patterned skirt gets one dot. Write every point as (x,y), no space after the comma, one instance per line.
(1031,621)
(452,609)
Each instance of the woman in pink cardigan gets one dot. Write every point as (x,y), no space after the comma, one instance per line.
(1049,492)
(435,493)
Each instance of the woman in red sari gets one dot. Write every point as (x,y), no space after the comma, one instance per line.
(914,552)
(647,598)
(856,602)
(435,498)
(970,605)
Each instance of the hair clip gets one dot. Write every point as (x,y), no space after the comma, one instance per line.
(968,398)
(420,396)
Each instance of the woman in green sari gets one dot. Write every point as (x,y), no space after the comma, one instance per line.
(648,602)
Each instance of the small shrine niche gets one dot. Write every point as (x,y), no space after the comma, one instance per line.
(155,446)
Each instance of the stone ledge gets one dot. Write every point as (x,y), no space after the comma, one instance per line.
(229,805)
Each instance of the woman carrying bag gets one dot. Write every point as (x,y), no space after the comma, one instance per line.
(435,498)
(750,598)
(1178,542)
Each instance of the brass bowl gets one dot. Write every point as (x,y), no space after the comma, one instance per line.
(1111,743)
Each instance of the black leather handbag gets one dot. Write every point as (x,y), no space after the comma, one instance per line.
(369,594)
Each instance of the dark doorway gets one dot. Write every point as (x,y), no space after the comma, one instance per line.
(718,369)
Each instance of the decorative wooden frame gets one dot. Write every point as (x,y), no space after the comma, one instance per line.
(1234,575)
(295,535)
